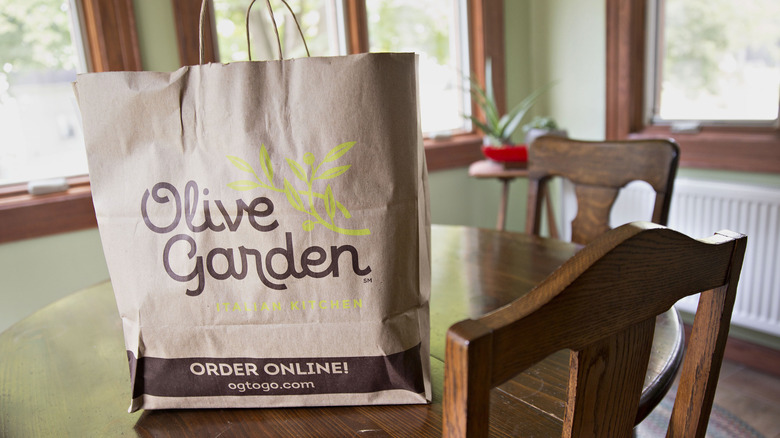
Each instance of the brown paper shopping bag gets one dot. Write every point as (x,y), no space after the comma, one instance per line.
(266,230)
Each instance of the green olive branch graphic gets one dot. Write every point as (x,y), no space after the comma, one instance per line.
(303,201)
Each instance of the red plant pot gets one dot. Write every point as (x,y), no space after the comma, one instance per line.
(506,154)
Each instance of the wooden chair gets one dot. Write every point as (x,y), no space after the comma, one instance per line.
(602,304)
(598,170)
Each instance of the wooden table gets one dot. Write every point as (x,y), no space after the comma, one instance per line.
(64,372)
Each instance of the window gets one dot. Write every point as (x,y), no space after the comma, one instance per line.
(436,30)
(715,62)
(319,20)
(735,147)
(41,52)
(108,31)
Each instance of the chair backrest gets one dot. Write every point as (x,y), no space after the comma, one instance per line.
(602,304)
(598,170)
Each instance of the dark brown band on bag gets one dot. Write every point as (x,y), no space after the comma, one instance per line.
(204,377)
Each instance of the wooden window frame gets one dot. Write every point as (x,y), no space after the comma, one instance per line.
(113,46)
(718,148)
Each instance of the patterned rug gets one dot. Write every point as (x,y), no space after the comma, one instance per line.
(723,424)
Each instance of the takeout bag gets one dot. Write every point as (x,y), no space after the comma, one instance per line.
(266,229)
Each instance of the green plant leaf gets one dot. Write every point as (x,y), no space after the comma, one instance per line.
(265,162)
(487,104)
(332,173)
(299,171)
(330,202)
(338,151)
(486,99)
(509,123)
(308,225)
(293,197)
(241,164)
(243,185)
(489,82)
(485,129)
(343,210)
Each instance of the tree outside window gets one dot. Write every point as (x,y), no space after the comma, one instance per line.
(719,60)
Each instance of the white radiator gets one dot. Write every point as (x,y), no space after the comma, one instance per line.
(699,208)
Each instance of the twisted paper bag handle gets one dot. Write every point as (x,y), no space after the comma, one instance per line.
(248,43)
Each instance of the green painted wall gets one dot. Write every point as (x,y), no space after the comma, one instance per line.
(457,199)
(568,47)
(36,272)
(761,179)
(156,35)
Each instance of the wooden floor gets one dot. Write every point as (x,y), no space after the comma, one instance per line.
(752,395)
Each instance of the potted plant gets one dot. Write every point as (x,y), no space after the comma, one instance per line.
(497,128)
(540,126)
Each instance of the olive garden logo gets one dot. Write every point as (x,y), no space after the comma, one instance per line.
(165,207)
(311,173)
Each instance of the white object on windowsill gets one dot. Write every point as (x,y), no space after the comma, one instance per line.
(686,127)
(45,186)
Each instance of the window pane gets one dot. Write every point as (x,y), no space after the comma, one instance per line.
(721,60)
(318,20)
(39,119)
(436,30)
